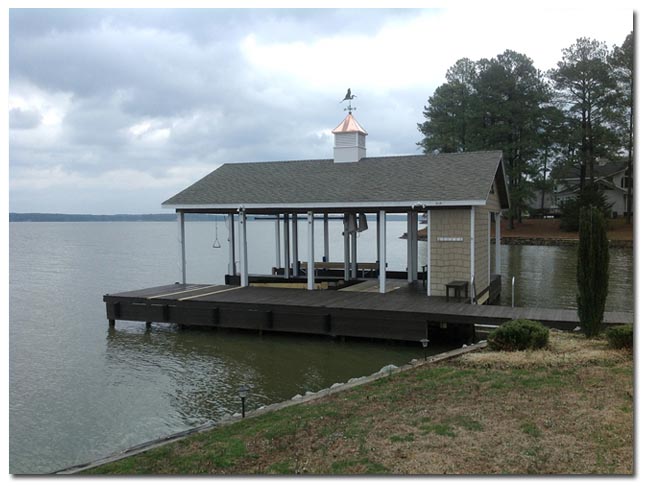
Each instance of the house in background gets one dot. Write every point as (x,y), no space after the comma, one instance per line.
(608,175)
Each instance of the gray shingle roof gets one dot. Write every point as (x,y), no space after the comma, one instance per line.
(444,178)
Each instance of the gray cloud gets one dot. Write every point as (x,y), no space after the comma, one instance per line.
(24,119)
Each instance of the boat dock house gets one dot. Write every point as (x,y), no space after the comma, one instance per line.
(460,195)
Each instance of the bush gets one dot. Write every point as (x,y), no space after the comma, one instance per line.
(593,271)
(518,335)
(620,336)
(591,196)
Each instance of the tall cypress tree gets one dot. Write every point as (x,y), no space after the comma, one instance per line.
(593,270)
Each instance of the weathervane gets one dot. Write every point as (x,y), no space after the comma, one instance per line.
(349,97)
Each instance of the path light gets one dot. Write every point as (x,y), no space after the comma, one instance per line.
(425,343)
(243,393)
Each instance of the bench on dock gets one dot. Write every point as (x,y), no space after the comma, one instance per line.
(457,285)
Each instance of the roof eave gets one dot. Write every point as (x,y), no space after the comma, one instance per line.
(326,205)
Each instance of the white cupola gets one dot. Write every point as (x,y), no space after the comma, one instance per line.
(349,141)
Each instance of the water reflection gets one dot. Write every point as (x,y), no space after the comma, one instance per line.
(546,277)
(200,370)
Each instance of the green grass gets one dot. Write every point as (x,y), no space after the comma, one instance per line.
(531,429)
(402,438)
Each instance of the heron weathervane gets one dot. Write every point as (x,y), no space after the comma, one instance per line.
(349,97)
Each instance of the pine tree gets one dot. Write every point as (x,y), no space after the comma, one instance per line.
(593,270)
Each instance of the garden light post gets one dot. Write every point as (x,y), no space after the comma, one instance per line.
(243,393)
(425,343)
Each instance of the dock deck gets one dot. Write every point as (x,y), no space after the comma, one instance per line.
(404,313)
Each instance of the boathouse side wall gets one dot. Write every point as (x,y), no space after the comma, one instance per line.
(450,247)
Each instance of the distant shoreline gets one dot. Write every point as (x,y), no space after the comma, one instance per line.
(142,218)
(78,218)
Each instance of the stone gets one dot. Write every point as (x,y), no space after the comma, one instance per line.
(388,368)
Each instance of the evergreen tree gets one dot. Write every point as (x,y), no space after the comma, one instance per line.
(493,104)
(449,111)
(593,270)
(584,88)
(622,63)
(510,99)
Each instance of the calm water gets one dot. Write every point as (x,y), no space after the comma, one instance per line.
(79,391)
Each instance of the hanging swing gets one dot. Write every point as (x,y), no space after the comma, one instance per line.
(217,243)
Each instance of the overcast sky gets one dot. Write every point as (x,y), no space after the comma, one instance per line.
(114,111)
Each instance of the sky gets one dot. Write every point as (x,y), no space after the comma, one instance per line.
(116,110)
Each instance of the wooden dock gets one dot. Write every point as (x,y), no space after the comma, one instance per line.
(404,313)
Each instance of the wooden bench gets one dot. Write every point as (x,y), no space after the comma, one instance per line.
(457,285)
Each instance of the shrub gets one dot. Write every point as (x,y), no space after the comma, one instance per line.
(518,335)
(591,196)
(593,271)
(620,336)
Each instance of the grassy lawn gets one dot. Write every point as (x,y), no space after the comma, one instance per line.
(564,410)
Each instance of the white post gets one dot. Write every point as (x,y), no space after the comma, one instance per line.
(232,266)
(489,247)
(378,217)
(326,238)
(353,249)
(294,236)
(180,217)
(286,246)
(310,250)
(346,247)
(414,245)
(278,260)
(409,247)
(243,249)
(497,249)
(472,252)
(429,220)
(382,252)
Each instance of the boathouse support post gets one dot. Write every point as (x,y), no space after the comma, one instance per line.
(411,233)
(497,246)
(353,246)
(278,260)
(310,250)
(232,265)
(428,276)
(489,246)
(346,247)
(378,249)
(294,237)
(180,217)
(472,253)
(382,252)
(414,244)
(326,238)
(409,248)
(286,245)
(243,249)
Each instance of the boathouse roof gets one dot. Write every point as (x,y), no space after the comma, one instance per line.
(392,182)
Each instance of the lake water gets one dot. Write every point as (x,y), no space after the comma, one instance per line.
(80,391)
